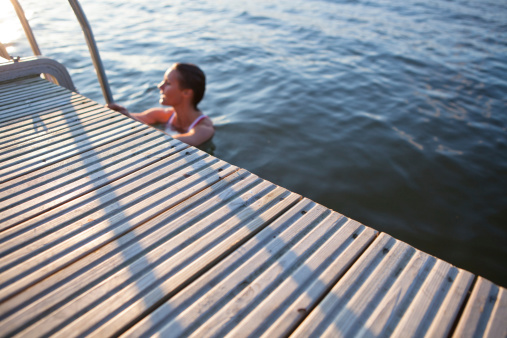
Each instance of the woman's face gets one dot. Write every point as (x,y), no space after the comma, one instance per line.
(170,92)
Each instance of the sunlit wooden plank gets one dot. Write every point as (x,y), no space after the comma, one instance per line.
(84,224)
(485,314)
(117,255)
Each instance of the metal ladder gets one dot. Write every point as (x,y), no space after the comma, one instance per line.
(43,65)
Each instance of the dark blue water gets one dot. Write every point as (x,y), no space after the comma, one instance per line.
(392,113)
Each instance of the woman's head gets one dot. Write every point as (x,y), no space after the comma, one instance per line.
(191,77)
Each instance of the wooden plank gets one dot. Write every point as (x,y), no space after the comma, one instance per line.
(345,247)
(278,238)
(447,315)
(391,308)
(48,259)
(34,89)
(201,251)
(21,81)
(101,263)
(31,93)
(48,120)
(23,91)
(281,292)
(187,264)
(297,253)
(389,313)
(67,127)
(9,120)
(147,176)
(484,313)
(224,279)
(43,121)
(429,300)
(8,114)
(6,86)
(83,247)
(76,162)
(399,295)
(225,318)
(355,312)
(73,125)
(74,229)
(27,100)
(21,201)
(383,256)
(55,141)
(31,161)
(497,325)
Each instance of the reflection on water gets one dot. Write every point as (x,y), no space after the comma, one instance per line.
(389,112)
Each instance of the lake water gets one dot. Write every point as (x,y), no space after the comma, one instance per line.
(390,112)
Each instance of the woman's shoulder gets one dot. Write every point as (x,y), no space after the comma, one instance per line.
(204,121)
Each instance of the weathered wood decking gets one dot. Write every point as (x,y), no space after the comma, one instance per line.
(108,227)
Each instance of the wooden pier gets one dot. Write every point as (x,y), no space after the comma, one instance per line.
(109,227)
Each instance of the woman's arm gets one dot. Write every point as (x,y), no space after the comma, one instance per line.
(118,108)
(153,115)
(202,132)
(150,116)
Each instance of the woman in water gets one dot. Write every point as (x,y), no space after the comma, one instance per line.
(182,89)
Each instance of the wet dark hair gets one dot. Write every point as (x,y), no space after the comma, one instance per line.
(191,77)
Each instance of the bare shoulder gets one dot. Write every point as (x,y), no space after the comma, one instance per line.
(205,129)
(200,133)
(207,122)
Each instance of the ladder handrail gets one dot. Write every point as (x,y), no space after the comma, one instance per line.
(94,52)
(3,52)
(26,27)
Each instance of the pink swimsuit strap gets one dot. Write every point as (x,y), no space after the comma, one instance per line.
(196,121)
(170,122)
